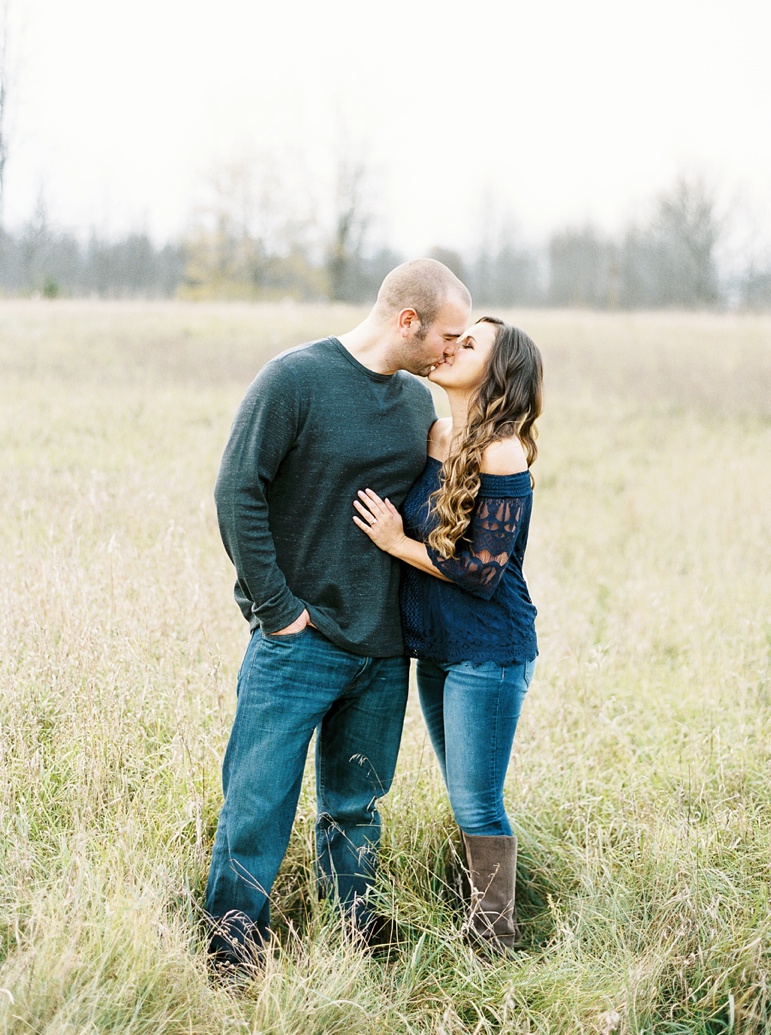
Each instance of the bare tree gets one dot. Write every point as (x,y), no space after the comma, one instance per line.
(504,271)
(754,283)
(687,229)
(3,101)
(671,260)
(5,77)
(252,238)
(351,222)
(580,267)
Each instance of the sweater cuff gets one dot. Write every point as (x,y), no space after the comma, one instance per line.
(272,619)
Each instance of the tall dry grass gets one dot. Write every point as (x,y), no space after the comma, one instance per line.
(640,784)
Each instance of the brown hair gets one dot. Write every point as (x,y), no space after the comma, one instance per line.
(507,402)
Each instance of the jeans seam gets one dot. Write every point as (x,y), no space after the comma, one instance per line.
(319,771)
(496,740)
(251,650)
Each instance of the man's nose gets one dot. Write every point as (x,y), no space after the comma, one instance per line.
(451,348)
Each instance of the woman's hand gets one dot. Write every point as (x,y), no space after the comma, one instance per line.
(380,519)
(383,524)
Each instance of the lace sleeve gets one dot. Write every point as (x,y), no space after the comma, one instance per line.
(482,555)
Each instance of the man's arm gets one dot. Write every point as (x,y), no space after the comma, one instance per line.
(263,431)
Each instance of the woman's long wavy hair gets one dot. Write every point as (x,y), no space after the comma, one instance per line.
(507,402)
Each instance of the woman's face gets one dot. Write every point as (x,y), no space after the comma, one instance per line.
(465,368)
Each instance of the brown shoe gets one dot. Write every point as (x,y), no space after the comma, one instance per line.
(492,867)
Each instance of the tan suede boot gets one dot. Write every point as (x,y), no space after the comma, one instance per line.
(492,867)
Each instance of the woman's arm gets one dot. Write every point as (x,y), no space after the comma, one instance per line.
(479,562)
(382,522)
(482,556)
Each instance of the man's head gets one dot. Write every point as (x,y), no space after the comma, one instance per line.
(426,308)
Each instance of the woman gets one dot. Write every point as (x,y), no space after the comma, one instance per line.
(466,611)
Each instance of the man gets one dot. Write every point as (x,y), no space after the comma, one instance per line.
(318,423)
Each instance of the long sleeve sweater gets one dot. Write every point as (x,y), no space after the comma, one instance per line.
(314,427)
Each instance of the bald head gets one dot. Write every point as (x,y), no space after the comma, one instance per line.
(422,309)
(423,285)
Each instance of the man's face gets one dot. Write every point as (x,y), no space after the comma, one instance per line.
(427,346)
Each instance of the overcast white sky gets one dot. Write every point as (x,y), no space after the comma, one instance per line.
(560,111)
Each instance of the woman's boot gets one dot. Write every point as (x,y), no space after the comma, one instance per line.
(492,867)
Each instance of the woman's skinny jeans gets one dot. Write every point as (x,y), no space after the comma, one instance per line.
(471,711)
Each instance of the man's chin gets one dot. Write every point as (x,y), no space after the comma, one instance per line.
(434,369)
(425,370)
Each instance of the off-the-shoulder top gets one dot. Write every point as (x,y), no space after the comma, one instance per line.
(485,613)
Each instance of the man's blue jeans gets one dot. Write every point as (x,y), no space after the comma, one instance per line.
(471,711)
(289,686)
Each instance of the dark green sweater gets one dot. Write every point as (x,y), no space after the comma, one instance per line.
(314,427)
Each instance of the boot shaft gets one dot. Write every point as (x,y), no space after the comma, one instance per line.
(492,867)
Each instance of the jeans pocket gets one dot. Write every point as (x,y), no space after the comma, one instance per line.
(284,637)
(529,672)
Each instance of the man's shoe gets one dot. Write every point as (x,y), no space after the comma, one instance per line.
(236,949)
(379,935)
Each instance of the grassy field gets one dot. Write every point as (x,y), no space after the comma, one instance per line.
(641,779)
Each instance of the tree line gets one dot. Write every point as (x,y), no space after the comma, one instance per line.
(253,239)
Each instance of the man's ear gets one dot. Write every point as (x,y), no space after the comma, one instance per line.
(408,320)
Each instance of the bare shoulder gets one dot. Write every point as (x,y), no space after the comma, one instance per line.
(506,456)
(439,437)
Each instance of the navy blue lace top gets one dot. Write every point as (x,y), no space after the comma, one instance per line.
(485,612)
